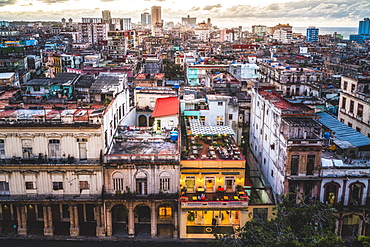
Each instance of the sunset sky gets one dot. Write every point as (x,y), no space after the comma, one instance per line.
(339,13)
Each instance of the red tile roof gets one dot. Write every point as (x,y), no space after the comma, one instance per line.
(166,107)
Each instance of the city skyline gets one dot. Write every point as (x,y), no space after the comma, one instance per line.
(336,13)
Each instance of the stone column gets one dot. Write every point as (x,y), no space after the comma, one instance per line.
(22,220)
(131,220)
(175,223)
(183,222)
(153,220)
(74,229)
(100,230)
(48,221)
(108,215)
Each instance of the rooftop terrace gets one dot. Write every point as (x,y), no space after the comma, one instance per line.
(133,144)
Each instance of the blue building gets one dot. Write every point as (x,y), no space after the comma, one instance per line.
(363,31)
(312,34)
(364,27)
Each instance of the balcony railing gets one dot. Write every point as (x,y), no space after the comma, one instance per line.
(141,158)
(46,161)
(214,204)
(51,197)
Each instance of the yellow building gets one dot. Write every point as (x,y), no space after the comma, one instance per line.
(214,189)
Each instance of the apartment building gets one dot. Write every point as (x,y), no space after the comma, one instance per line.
(285,144)
(354,103)
(52,150)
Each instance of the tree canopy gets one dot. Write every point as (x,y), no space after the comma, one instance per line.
(297,223)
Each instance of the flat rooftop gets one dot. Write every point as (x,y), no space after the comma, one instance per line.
(284,104)
(143,141)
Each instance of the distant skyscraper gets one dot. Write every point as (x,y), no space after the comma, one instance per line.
(157,25)
(146,19)
(364,27)
(191,21)
(156,15)
(106,15)
(259,29)
(312,34)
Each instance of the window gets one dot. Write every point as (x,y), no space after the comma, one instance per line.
(358,129)
(190,184)
(118,181)
(202,120)
(272,173)
(294,162)
(360,110)
(220,103)
(310,164)
(84,185)
(54,148)
(230,183)
(27,148)
(30,186)
(4,187)
(331,191)
(141,184)
(219,120)
(164,182)
(2,149)
(350,124)
(230,116)
(355,194)
(57,185)
(351,106)
(344,103)
(345,85)
(36,88)
(342,120)
(353,87)
(165,212)
(81,140)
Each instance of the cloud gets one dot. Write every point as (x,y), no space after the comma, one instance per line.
(54,1)
(210,7)
(155,0)
(193,9)
(7,2)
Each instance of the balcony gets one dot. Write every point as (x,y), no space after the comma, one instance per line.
(214,204)
(46,161)
(50,197)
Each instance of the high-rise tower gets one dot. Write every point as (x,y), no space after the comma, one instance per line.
(106,16)
(156,15)
(364,27)
(312,34)
(146,19)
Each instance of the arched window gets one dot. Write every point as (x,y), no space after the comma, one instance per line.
(141,183)
(118,182)
(331,193)
(164,182)
(355,193)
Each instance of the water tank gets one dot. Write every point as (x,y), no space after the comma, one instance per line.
(287,67)
(174,135)
(176,86)
(327,135)
(138,88)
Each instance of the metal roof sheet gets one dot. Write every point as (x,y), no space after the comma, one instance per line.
(343,133)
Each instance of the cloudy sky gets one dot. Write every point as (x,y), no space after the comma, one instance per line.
(223,13)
